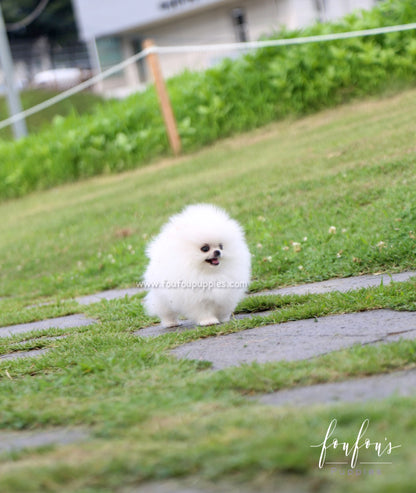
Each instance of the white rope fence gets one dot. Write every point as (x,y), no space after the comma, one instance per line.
(284,42)
(200,48)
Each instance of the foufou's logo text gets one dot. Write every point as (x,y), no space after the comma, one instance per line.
(352,450)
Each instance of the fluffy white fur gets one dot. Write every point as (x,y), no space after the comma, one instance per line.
(185,281)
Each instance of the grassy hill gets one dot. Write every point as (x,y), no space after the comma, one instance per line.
(354,165)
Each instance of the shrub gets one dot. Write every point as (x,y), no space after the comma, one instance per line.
(235,96)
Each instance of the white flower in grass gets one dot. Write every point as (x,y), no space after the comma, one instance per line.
(300,267)
(381,245)
(297,247)
(332,230)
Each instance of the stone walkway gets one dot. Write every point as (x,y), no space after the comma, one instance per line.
(11,441)
(33,353)
(69,321)
(343,284)
(111,294)
(302,339)
(72,321)
(291,484)
(159,330)
(286,341)
(377,387)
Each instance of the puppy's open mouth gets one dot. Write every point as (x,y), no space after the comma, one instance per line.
(213,261)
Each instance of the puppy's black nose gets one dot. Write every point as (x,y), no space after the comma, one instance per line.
(217,253)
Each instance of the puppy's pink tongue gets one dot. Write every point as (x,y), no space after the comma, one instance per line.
(215,261)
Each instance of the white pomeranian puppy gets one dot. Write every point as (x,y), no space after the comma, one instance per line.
(199,267)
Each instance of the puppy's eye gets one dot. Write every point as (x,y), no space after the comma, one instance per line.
(205,248)
(220,245)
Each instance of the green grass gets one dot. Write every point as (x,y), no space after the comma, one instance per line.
(355,166)
(153,417)
(77,104)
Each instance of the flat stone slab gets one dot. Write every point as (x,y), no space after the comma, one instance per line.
(342,284)
(197,485)
(18,440)
(111,294)
(378,387)
(69,321)
(33,353)
(301,339)
(159,330)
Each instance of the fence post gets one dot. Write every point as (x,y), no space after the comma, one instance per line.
(164,101)
(13,98)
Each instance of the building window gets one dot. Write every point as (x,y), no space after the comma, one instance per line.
(240,24)
(321,10)
(109,53)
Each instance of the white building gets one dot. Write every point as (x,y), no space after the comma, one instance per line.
(115,29)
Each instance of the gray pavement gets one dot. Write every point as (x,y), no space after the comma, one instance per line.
(377,387)
(292,484)
(158,329)
(18,440)
(111,294)
(287,341)
(66,322)
(33,353)
(302,339)
(342,284)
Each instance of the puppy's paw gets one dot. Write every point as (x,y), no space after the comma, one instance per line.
(208,321)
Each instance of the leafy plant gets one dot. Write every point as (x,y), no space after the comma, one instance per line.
(236,95)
